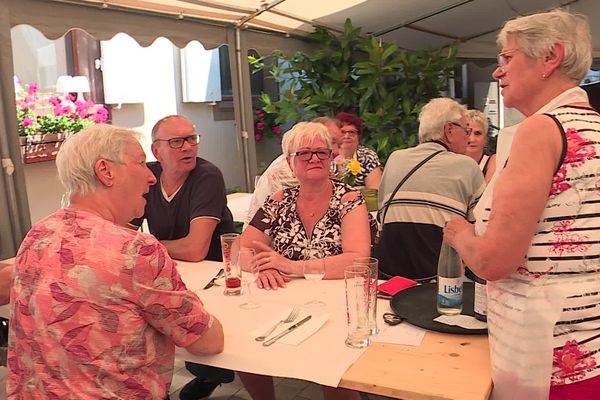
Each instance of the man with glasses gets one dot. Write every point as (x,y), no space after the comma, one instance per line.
(444,186)
(187,211)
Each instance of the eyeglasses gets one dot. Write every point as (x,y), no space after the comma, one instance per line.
(306,155)
(466,129)
(504,58)
(177,143)
(350,132)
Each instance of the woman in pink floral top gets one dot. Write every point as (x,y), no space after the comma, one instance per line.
(97,308)
(537,235)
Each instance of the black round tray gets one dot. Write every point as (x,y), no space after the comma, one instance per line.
(418,306)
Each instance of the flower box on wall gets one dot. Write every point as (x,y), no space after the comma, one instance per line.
(37,148)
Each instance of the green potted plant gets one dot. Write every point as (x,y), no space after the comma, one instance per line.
(386,86)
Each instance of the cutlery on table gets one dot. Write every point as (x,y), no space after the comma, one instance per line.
(291,316)
(288,330)
(211,283)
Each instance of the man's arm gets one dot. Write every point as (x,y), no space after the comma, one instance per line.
(193,247)
(212,342)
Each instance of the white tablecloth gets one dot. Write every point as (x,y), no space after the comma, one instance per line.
(322,358)
(238,204)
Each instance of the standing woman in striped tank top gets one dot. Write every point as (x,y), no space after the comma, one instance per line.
(537,235)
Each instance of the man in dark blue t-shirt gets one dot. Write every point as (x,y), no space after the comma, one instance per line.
(187,211)
(187,208)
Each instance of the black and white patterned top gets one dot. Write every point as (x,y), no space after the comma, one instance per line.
(369,161)
(280,220)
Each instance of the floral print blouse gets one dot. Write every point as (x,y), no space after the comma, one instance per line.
(281,222)
(96,312)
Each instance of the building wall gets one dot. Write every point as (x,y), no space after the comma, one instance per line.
(162,96)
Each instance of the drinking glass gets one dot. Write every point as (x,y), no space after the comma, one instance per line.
(356,279)
(313,269)
(247,265)
(230,244)
(372,264)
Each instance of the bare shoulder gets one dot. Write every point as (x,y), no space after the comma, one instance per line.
(350,196)
(277,196)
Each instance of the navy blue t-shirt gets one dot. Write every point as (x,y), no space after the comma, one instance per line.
(202,195)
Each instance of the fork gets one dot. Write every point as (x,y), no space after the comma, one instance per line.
(291,316)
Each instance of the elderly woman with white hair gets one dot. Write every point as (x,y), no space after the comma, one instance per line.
(537,238)
(319,213)
(478,139)
(93,300)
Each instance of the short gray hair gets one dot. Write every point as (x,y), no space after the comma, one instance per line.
(435,114)
(77,157)
(480,118)
(306,131)
(537,33)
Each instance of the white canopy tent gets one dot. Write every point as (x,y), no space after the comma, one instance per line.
(263,25)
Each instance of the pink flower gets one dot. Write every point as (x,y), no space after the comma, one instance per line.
(32,89)
(74,117)
(100,116)
(276,130)
(58,110)
(27,121)
(257,136)
(260,126)
(260,113)
(54,101)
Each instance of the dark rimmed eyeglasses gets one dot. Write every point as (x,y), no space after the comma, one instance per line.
(504,58)
(306,155)
(466,129)
(349,132)
(177,143)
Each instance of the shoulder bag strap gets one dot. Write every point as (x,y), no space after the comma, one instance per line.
(412,171)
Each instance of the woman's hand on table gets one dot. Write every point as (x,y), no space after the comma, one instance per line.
(271,279)
(456,229)
(270,259)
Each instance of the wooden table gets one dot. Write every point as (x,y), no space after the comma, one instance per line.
(444,366)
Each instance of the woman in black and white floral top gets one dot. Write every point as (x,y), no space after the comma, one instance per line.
(320,213)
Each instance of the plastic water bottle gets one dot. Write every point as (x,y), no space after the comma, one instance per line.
(450,282)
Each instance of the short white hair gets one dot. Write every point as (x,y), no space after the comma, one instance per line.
(537,33)
(435,114)
(306,131)
(480,118)
(77,157)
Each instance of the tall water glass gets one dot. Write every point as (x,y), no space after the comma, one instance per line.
(247,264)
(230,244)
(356,279)
(373,265)
(313,269)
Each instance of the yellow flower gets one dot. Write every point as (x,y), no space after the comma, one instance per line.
(354,167)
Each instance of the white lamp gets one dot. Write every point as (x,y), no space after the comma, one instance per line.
(73,84)
(63,83)
(80,85)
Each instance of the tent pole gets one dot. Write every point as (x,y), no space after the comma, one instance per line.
(242,104)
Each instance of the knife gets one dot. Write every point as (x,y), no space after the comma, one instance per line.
(288,330)
(211,283)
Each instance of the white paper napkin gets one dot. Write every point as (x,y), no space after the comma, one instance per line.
(464,321)
(403,333)
(299,334)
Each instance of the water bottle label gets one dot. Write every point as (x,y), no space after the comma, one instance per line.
(480,306)
(450,291)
